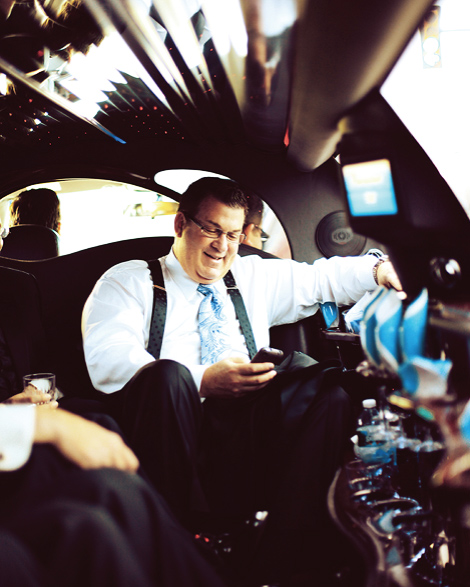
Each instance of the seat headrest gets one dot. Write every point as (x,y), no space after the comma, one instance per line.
(31,242)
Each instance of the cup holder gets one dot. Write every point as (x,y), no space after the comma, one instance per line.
(388,515)
(415,516)
(394,503)
(373,495)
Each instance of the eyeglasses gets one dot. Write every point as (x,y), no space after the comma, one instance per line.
(4,232)
(264,235)
(234,237)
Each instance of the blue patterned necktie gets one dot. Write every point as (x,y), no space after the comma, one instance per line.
(211,321)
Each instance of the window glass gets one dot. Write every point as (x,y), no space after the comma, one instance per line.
(428,89)
(95,212)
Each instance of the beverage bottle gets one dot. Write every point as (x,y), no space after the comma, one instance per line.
(373,441)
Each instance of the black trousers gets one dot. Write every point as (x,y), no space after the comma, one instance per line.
(104,527)
(18,566)
(276,450)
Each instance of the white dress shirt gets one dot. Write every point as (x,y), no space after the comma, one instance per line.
(17,424)
(117,315)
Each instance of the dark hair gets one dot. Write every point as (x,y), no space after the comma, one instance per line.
(255,210)
(224,190)
(36,206)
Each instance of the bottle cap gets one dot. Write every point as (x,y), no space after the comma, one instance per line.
(369,403)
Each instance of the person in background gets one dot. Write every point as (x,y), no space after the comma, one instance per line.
(260,439)
(73,510)
(254,234)
(36,206)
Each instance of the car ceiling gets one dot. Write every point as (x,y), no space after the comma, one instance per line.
(273,75)
(262,91)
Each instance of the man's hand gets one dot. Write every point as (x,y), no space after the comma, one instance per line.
(235,377)
(32,395)
(85,443)
(387,277)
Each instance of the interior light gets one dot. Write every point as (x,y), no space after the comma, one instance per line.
(430,38)
(141,29)
(88,72)
(227,26)
(86,108)
(138,22)
(114,56)
(177,18)
(230,38)
(105,57)
(83,90)
(3,84)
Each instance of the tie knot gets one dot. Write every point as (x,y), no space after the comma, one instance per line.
(206,289)
(211,294)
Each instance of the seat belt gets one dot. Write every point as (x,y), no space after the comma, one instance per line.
(157,325)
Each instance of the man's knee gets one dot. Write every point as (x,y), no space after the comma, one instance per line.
(161,389)
(331,408)
(163,371)
(338,396)
(337,400)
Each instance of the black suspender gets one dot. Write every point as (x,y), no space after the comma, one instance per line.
(240,311)
(157,325)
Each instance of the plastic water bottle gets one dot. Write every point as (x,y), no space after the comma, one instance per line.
(368,422)
(373,441)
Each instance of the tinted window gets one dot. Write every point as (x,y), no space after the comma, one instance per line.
(94,212)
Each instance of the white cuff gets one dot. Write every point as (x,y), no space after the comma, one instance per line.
(17,425)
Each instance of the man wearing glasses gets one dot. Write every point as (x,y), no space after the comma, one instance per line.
(73,510)
(216,433)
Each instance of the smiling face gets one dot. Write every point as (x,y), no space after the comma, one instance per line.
(204,259)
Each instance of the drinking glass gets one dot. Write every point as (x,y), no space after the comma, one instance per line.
(44,382)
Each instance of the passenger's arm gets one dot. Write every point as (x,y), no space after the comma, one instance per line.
(82,442)
(292,291)
(115,326)
(85,443)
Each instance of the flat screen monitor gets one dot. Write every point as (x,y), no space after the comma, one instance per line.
(369,188)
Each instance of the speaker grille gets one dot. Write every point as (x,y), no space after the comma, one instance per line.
(334,236)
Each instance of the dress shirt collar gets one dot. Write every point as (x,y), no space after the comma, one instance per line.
(182,279)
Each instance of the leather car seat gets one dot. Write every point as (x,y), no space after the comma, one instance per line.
(31,242)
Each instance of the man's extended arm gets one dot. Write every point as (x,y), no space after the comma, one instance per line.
(84,443)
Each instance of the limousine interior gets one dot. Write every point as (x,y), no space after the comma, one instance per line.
(349,119)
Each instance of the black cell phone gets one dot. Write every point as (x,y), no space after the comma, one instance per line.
(268,355)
